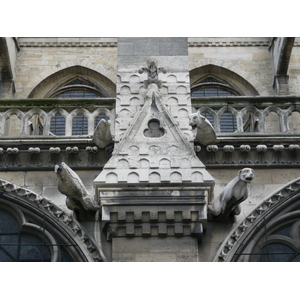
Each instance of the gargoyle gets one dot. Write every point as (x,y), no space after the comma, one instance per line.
(235,192)
(206,134)
(69,184)
(102,135)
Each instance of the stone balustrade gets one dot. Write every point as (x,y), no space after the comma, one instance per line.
(50,117)
(246,115)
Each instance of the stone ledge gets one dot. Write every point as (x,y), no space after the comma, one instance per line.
(229,44)
(68,44)
(194,229)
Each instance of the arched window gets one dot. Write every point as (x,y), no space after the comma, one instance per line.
(76,88)
(58,125)
(34,229)
(27,241)
(214,87)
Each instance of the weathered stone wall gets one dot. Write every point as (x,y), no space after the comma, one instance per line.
(42,57)
(293,70)
(44,183)
(248,57)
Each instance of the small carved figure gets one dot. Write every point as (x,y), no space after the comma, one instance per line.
(152,72)
(71,185)
(205,132)
(235,192)
(102,135)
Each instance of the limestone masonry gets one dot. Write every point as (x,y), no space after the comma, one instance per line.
(139,149)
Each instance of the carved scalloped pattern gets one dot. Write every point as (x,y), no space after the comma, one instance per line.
(254,217)
(50,208)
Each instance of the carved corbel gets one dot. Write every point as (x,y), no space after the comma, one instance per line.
(226,205)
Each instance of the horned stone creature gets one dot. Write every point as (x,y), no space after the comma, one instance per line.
(71,185)
(205,132)
(235,192)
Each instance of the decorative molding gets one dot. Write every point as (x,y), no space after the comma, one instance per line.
(250,155)
(53,211)
(153,222)
(68,44)
(229,44)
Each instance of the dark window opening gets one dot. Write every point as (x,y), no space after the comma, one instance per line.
(77,93)
(211,92)
(80,125)
(58,125)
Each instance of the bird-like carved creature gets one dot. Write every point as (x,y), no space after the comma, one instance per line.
(71,185)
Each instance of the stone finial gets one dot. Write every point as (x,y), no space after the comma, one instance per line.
(205,132)
(235,192)
(152,72)
(71,185)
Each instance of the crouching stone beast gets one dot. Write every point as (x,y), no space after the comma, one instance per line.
(205,132)
(235,192)
(71,185)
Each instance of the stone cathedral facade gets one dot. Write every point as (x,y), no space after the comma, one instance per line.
(150,149)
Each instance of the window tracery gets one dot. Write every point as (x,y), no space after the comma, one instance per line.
(76,88)
(24,238)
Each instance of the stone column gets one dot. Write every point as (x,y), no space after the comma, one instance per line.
(154,189)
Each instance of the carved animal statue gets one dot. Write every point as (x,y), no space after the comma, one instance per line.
(233,194)
(71,185)
(102,135)
(206,134)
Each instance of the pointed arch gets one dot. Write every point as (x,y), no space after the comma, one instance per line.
(275,220)
(223,78)
(43,221)
(74,77)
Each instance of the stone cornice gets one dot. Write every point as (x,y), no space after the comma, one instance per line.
(67,44)
(230,44)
